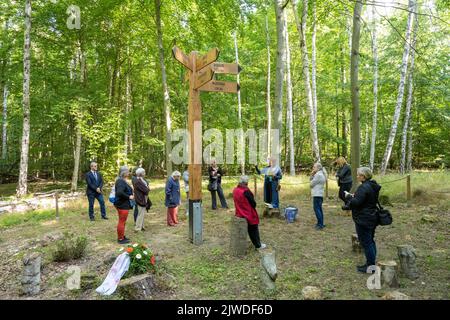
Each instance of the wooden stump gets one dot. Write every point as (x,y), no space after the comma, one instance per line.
(272,213)
(356,245)
(238,237)
(407,256)
(268,269)
(389,276)
(137,288)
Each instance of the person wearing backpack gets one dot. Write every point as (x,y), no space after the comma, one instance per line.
(124,201)
(365,214)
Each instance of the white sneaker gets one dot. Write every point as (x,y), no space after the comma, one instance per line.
(263,246)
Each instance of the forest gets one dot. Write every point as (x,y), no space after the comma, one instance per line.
(108,89)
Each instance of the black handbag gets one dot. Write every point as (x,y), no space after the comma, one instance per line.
(384,216)
(212,186)
(148,204)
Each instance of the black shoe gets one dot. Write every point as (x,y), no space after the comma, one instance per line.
(105,218)
(362,269)
(125,238)
(123,241)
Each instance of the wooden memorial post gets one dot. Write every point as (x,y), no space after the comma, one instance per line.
(200,73)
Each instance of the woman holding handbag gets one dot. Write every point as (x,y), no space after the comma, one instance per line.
(141,190)
(215,185)
(365,214)
(124,201)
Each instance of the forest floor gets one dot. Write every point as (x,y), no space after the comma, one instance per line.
(305,257)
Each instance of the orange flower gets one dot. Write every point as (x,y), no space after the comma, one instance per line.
(130,250)
(152,260)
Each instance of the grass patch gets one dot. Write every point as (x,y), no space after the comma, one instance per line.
(69,248)
(13,219)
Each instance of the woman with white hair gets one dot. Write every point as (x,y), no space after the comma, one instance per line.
(141,190)
(245,205)
(364,213)
(173,198)
(123,203)
(318,179)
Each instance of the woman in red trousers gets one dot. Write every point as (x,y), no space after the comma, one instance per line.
(124,202)
(173,198)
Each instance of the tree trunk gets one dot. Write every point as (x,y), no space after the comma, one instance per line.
(5,121)
(406,124)
(375,90)
(280,72)
(22,187)
(290,117)
(401,89)
(313,62)
(269,110)
(356,139)
(241,138)
(165,88)
(301,27)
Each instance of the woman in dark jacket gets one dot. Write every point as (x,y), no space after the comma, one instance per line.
(364,213)
(123,203)
(215,185)
(173,198)
(141,190)
(343,177)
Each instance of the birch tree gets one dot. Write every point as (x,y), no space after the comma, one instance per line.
(401,89)
(314,62)
(22,187)
(289,102)
(165,88)
(406,124)
(280,7)
(241,137)
(301,27)
(269,110)
(354,85)
(5,121)
(375,89)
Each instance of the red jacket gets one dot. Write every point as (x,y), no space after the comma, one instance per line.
(243,207)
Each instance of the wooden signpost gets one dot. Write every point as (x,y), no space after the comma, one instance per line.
(200,74)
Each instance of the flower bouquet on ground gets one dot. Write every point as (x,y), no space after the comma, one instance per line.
(142,259)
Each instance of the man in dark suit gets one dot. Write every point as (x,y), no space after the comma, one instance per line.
(94,182)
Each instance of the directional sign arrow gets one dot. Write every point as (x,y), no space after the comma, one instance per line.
(221,86)
(208,58)
(179,55)
(203,76)
(230,68)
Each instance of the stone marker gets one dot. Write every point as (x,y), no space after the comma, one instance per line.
(407,256)
(395,295)
(268,269)
(238,237)
(311,293)
(31,277)
(356,245)
(389,276)
(137,288)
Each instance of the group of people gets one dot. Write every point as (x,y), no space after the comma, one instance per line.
(134,193)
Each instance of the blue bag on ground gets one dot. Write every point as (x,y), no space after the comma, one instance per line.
(290,213)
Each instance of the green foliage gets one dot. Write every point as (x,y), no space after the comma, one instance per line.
(69,248)
(142,259)
(12,219)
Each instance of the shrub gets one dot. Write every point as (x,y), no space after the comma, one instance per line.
(69,248)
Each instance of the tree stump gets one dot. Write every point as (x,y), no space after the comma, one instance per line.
(389,276)
(137,288)
(31,277)
(272,213)
(395,295)
(268,269)
(356,245)
(238,236)
(311,293)
(407,256)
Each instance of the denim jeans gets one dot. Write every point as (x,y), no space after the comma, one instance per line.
(223,202)
(91,199)
(317,203)
(366,238)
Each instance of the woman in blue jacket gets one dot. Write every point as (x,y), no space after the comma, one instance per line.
(173,198)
